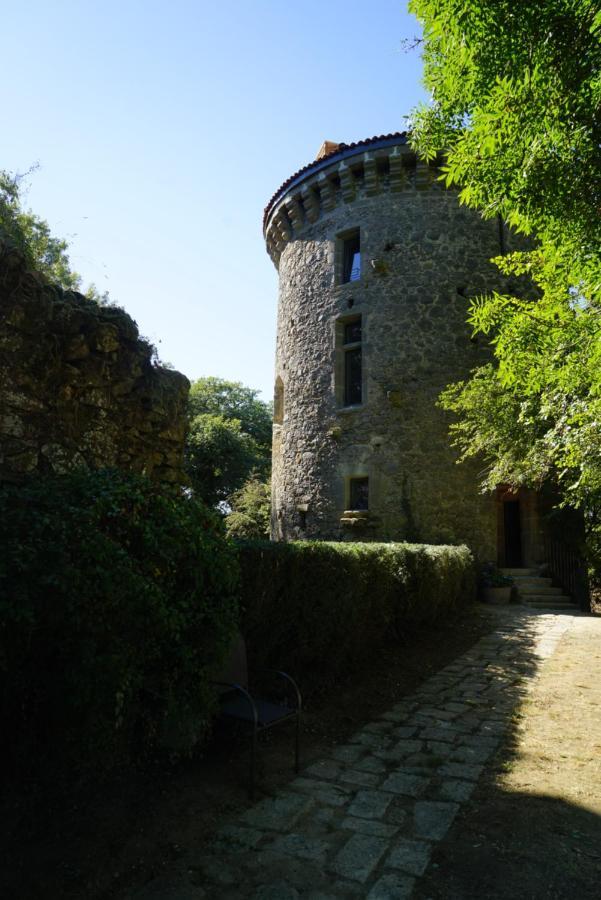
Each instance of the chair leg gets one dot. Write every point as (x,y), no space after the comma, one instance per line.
(253,755)
(297,745)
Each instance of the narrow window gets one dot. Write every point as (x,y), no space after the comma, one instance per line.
(359,493)
(351,257)
(353,375)
(278,402)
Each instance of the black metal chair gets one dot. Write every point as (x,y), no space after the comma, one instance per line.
(238,703)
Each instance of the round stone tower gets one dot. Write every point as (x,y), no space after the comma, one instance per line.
(376,259)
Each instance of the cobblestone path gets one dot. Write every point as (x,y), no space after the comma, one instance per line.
(364,821)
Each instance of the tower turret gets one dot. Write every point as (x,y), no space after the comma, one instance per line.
(375,260)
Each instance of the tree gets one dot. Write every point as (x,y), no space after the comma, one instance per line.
(44,253)
(250,510)
(229,438)
(233,400)
(516,94)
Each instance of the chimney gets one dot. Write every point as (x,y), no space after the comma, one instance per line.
(326,148)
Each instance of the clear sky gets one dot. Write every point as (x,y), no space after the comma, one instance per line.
(163,128)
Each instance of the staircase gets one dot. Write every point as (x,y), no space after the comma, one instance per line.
(538,592)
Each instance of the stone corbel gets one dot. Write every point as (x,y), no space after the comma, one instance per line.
(398,175)
(295,213)
(327,192)
(372,185)
(282,227)
(310,202)
(347,182)
(423,175)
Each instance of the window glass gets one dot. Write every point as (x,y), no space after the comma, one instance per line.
(351,261)
(352,332)
(352,377)
(359,493)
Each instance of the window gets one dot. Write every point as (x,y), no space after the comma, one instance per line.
(278,402)
(353,375)
(351,257)
(359,493)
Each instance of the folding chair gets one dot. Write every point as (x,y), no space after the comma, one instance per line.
(237,702)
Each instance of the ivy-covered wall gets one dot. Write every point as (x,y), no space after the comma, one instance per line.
(78,386)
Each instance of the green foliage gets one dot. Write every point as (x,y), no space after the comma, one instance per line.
(117,602)
(233,400)
(219,457)
(44,253)
(250,516)
(229,438)
(516,93)
(320,607)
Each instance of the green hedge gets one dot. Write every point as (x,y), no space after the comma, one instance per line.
(321,607)
(117,599)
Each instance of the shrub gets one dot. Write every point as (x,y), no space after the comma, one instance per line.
(319,607)
(250,515)
(117,599)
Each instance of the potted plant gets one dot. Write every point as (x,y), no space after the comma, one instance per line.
(496,587)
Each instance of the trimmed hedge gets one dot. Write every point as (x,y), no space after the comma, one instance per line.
(320,607)
(118,599)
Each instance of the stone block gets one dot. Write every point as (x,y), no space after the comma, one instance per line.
(364,779)
(324,791)
(300,845)
(392,887)
(459,791)
(371,764)
(348,753)
(432,819)
(410,856)
(325,768)
(369,804)
(405,731)
(461,770)
(359,857)
(408,785)
(369,826)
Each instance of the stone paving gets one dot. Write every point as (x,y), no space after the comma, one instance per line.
(363,822)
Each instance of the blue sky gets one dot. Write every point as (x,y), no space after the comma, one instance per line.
(163,128)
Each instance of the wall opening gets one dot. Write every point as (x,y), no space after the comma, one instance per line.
(348,256)
(353,362)
(278,402)
(358,491)
(512,533)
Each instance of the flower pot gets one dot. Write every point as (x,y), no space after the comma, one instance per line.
(497,594)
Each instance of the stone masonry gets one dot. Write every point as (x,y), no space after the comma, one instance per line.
(78,386)
(422,255)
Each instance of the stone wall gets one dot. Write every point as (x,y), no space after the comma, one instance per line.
(78,386)
(422,256)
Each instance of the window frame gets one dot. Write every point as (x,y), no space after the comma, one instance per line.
(352,482)
(343,353)
(345,254)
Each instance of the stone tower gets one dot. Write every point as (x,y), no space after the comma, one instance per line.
(376,259)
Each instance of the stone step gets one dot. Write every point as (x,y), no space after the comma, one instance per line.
(524,589)
(557,609)
(549,602)
(517,572)
(531,579)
